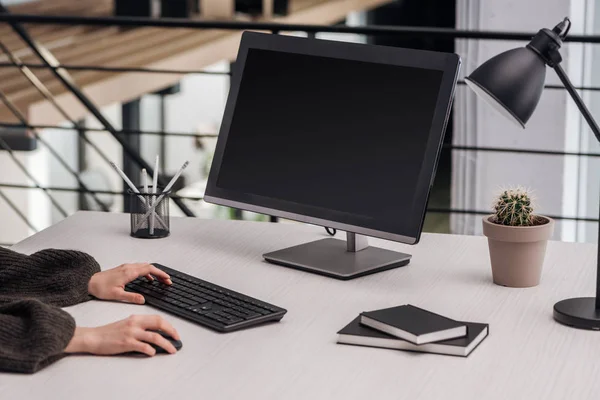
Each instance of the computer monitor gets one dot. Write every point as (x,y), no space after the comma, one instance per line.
(336,134)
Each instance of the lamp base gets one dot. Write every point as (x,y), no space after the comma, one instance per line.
(579,312)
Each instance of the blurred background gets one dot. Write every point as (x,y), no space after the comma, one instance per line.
(164,90)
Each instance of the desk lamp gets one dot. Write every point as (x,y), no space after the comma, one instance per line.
(512,82)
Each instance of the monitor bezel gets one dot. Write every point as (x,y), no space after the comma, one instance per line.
(448,63)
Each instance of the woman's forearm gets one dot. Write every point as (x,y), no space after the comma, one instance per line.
(52,276)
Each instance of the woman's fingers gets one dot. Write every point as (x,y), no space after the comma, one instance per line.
(156,323)
(157,339)
(141,347)
(149,269)
(129,297)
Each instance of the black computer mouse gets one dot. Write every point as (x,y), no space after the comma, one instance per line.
(159,350)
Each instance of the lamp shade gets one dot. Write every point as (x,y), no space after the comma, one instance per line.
(512,82)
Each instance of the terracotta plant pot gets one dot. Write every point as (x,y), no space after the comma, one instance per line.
(517,252)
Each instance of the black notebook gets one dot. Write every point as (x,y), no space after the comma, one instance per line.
(356,334)
(414,324)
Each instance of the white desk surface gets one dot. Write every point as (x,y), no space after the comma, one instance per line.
(526,356)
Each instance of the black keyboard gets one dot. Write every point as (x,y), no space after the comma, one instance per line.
(204,303)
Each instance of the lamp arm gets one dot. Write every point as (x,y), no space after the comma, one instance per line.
(578,101)
(594,126)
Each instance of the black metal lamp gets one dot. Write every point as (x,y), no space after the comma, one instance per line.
(512,82)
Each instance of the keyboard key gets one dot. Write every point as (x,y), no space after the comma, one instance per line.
(234,313)
(240,309)
(188,302)
(212,316)
(221,314)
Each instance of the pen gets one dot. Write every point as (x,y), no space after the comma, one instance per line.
(125,178)
(177,175)
(154,190)
(145,180)
(145,186)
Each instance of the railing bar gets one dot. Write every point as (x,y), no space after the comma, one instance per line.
(481,212)
(520,151)
(192,72)
(115,69)
(79,190)
(555,87)
(210,135)
(121,131)
(270,26)
(14,207)
(432,210)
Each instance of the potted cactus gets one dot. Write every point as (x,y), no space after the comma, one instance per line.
(517,239)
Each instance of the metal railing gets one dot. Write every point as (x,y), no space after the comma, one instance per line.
(16,19)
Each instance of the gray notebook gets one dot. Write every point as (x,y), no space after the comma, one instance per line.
(413,324)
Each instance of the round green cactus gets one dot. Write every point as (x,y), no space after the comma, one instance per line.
(513,208)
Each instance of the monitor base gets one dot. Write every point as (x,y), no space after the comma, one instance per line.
(330,257)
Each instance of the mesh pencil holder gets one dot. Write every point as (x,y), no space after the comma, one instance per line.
(149,214)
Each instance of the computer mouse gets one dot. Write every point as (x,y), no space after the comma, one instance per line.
(159,350)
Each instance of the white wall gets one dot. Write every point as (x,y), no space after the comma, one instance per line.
(32,203)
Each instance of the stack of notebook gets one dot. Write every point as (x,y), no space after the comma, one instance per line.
(414,329)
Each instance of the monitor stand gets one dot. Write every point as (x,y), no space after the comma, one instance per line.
(339,259)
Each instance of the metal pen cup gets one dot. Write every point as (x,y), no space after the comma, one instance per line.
(149,214)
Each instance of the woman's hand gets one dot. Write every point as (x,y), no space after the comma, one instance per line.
(127,335)
(110,285)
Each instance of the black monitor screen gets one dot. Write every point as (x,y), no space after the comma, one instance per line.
(325,133)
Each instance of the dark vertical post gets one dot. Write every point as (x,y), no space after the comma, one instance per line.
(598,273)
(131,121)
(163,126)
(81,161)
(162,110)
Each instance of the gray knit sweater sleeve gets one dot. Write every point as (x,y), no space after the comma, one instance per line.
(34,331)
